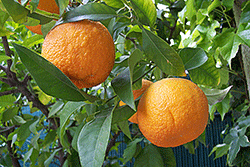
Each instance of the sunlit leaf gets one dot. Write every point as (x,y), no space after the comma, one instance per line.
(114,3)
(145,11)
(206,74)
(7,100)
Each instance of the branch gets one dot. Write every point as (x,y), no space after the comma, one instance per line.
(8,92)
(112,143)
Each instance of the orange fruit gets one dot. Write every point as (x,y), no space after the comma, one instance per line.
(137,93)
(83,50)
(48,6)
(172,112)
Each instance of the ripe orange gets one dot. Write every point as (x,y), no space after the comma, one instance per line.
(48,6)
(137,93)
(172,112)
(83,50)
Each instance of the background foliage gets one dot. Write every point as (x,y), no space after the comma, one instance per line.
(202,40)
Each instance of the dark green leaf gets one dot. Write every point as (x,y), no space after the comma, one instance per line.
(215,95)
(122,86)
(49,139)
(245,15)
(145,11)
(16,10)
(193,57)
(3,18)
(91,11)
(129,152)
(47,76)
(122,113)
(9,114)
(167,156)
(148,157)
(93,140)
(49,160)
(164,56)
(207,74)
(67,111)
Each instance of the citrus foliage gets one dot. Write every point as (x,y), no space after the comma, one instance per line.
(206,40)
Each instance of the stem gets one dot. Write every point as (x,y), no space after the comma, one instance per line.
(112,143)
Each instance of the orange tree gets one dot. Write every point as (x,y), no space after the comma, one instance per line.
(204,41)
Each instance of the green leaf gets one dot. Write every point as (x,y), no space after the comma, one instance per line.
(76,135)
(122,86)
(67,111)
(164,56)
(122,113)
(223,106)
(207,74)
(167,156)
(33,40)
(9,114)
(193,57)
(145,11)
(16,10)
(148,157)
(3,58)
(244,35)
(114,3)
(215,95)
(63,5)
(19,119)
(133,59)
(220,150)
(3,18)
(93,140)
(91,11)
(245,15)
(190,147)
(32,127)
(56,108)
(124,126)
(34,140)
(7,100)
(27,155)
(228,44)
(129,152)
(49,160)
(49,139)
(47,76)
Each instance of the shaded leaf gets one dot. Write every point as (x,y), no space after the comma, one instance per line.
(91,11)
(193,57)
(49,160)
(167,156)
(47,76)
(93,140)
(124,126)
(164,56)
(146,159)
(9,114)
(122,86)
(122,113)
(129,152)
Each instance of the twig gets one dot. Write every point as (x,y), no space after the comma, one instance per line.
(112,143)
